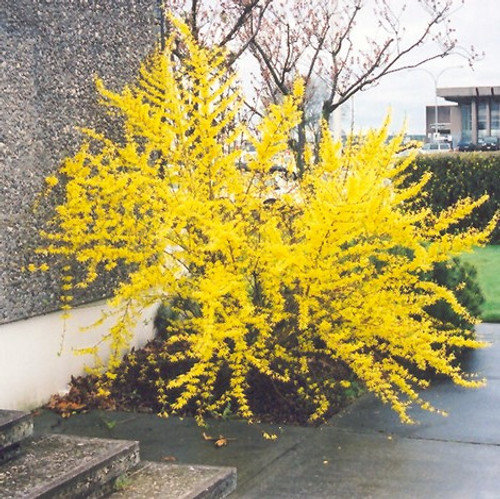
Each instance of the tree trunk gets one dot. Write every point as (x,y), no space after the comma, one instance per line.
(300,148)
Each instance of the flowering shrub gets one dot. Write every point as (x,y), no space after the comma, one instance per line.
(283,284)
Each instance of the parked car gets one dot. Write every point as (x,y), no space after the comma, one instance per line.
(488,144)
(435,147)
(466,145)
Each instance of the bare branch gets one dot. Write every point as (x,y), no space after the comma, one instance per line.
(348,45)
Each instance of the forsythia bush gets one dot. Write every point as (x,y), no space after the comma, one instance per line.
(283,284)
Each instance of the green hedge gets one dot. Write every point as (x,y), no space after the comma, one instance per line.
(459,175)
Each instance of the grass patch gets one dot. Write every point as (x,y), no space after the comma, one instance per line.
(487,262)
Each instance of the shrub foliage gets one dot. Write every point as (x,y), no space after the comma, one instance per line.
(282,285)
(457,176)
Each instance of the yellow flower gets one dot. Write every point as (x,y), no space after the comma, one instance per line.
(269,436)
(101,392)
(51,181)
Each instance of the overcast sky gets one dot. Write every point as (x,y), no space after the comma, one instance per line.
(407,94)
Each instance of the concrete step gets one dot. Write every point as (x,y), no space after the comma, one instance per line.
(175,481)
(15,426)
(61,466)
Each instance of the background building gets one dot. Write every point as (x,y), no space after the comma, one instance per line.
(476,115)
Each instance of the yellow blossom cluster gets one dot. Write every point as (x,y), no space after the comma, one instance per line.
(328,271)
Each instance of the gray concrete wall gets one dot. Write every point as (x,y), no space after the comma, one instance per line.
(50,51)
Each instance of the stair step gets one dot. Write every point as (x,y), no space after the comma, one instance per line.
(175,481)
(58,466)
(15,426)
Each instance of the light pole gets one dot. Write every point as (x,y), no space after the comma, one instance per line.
(435,79)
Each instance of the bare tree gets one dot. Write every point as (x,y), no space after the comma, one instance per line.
(350,45)
(347,45)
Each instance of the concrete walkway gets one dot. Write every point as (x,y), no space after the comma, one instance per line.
(364,452)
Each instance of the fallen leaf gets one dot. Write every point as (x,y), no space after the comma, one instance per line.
(221,442)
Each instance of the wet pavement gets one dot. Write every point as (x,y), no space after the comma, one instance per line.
(365,452)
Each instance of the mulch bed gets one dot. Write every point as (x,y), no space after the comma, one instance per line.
(134,390)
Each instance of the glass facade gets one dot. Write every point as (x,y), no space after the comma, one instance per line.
(495,119)
(466,111)
(482,119)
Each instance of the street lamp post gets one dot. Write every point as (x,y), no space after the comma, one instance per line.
(435,79)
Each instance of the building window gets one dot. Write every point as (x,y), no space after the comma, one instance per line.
(495,119)
(444,113)
(466,110)
(482,119)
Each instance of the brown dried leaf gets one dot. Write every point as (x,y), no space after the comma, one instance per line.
(220,442)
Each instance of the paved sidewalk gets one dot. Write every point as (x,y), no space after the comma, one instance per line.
(364,452)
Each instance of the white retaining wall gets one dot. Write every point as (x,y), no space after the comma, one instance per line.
(32,364)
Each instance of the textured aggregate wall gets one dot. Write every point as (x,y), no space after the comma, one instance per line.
(49,52)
